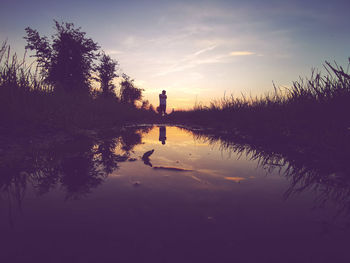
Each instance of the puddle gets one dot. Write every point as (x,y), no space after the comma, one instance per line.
(164,194)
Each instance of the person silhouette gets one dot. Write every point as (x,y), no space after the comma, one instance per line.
(162,103)
(162,134)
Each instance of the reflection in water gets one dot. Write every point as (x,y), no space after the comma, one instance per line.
(146,157)
(324,171)
(175,169)
(162,134)
(82,163)
(235,179)
(180,197)
(77,164)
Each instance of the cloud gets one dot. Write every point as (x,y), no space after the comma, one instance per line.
(191,61)
(140,83)
(113,52)
(203,50)
(129,41)
(241,53)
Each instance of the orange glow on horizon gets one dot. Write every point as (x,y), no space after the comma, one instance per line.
(235,179)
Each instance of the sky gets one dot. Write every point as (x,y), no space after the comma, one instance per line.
(198,51)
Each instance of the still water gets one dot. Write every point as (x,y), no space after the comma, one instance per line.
(163,194)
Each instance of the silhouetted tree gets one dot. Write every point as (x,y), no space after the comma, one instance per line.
(128,92)
(145,104)
(151,108)
(67,62)
(106,73)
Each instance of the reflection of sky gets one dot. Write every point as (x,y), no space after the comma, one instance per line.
(197,50)
(216,213)
(209,165)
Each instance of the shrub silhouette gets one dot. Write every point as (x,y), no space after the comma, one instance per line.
(128,92)
(106,73)
(67,62)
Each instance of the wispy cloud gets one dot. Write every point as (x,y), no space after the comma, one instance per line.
(140,83)
(203,50)
(191,61)
(129,41)
(113,52)
(195,59)
(241,53)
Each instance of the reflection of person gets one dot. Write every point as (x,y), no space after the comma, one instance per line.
(162,103)
(162,134)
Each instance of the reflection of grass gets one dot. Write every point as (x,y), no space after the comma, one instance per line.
(323,170)
(76,164)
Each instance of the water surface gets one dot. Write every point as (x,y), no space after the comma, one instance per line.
(163,194)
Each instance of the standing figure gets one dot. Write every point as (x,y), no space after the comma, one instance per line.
(162,103)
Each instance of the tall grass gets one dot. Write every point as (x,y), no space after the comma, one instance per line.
(322,101)
(28,103)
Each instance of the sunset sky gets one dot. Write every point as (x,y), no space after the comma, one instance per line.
(198,50)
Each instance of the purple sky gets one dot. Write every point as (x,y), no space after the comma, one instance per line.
(198,50)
